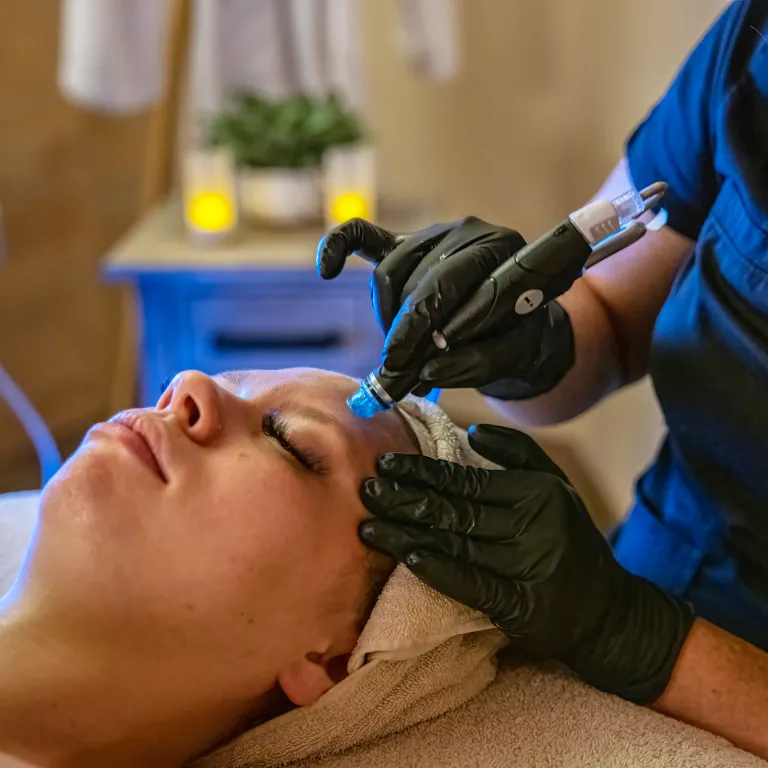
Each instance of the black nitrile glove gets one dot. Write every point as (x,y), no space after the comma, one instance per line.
(519,546)
(418,283)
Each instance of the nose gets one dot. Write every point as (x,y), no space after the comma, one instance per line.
(195,400)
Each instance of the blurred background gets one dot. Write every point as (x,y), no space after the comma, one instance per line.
(510,110)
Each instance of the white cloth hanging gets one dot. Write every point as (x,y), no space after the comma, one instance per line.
(428,33)
(111,54)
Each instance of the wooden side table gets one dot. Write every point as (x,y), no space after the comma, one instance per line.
(254,302)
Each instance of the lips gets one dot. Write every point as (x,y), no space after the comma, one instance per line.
(143,437)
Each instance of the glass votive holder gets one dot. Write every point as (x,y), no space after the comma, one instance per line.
(349,184)
(209,184)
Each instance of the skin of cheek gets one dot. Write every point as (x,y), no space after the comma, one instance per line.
(282,530)
(219,552)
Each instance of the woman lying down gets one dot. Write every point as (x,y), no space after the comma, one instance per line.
(195,593)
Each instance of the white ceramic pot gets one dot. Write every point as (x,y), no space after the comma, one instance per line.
(280,196)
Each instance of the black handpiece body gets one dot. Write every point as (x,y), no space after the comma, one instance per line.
(535,275)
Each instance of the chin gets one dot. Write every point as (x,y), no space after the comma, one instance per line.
(85,517)
(95,482)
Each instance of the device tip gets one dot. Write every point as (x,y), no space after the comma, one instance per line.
(363,404)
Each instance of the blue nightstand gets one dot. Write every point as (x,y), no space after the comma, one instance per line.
(254,302)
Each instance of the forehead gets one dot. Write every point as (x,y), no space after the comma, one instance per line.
(298,381)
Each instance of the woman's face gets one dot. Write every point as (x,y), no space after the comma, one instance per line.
(212,539)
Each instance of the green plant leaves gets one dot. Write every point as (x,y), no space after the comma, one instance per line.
(293,133)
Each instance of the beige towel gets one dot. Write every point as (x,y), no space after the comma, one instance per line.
(420,655)
(534,717)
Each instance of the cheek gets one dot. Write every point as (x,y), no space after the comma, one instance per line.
(250,530)
(225,535)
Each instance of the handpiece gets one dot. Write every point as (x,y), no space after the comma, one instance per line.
(538,273)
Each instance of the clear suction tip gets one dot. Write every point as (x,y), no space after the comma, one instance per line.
(628,206)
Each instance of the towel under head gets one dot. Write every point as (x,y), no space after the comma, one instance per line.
(419,655)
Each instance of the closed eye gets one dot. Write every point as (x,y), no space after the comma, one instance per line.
(275,427)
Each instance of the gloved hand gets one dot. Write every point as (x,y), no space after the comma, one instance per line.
(519,546)
(418,283)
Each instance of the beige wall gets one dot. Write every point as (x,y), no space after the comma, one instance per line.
(69,184)
(548,93)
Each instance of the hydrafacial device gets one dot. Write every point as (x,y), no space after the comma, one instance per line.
(536,274)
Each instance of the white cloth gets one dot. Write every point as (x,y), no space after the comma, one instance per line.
(111,55)
(428,37)
(18,516)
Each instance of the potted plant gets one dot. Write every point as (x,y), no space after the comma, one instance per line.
(278,146)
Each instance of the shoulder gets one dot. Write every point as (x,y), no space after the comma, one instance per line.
(741,30)
(18,516)
(724,54)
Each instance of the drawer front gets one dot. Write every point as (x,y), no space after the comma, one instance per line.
(284,332)
(230,325)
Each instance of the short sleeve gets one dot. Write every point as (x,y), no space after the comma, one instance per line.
(675,143)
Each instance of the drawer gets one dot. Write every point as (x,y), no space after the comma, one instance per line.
(336,333)
(278,317)
(214,326)
(272,326)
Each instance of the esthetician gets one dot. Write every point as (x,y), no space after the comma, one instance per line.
(677,609)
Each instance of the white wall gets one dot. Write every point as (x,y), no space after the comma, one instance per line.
(548,93)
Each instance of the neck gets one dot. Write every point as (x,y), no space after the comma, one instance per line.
(60,707)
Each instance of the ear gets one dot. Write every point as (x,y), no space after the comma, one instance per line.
(305,681)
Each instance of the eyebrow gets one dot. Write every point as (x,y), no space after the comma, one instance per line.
(309,412)
(232,377)
(315,414)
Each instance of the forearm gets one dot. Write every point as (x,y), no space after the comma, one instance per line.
(720,684)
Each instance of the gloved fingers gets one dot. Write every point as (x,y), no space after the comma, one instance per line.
(517,492)
(437,294)
(400,541)
(412,505)
(445,477)
(511,449)
(474,587)
(390,277)
(459,236)
(491,245)
(463,367)
(476,363)
(358,236)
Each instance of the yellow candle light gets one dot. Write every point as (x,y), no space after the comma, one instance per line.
(349,184)
(210,193)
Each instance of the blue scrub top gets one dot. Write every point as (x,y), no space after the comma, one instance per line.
(699,527)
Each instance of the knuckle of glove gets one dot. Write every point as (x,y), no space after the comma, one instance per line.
(557,503)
